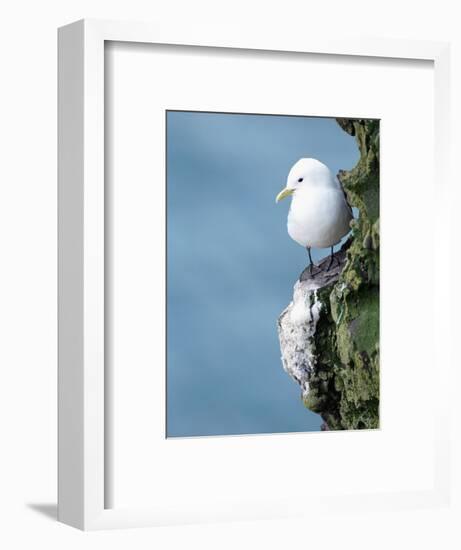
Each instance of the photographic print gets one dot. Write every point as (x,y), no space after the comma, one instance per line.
(272,273)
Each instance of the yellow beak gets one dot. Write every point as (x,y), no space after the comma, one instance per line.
(284,193)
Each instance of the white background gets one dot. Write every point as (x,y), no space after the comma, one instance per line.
(28,285)
(184,474)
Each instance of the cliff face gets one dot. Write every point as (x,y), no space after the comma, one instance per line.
(329,334)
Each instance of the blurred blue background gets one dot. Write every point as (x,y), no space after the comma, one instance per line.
(232,266)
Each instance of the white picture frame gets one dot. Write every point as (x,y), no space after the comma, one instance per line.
(82,487)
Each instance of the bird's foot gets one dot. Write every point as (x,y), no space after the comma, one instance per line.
(314,270)
(333,260)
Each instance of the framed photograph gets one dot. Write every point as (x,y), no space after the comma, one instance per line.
(221,299)
(249,318)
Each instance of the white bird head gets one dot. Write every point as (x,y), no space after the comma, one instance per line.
(305,173)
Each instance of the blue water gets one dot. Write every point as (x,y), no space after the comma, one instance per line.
(231,267)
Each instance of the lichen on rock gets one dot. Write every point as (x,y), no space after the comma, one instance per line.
(329,334)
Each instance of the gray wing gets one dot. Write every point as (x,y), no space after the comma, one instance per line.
(345,196)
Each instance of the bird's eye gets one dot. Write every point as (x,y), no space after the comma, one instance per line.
(300,180)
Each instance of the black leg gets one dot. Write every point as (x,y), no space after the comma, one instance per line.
(311,263)
(330,263)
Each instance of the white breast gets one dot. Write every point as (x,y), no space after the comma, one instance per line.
(318,217)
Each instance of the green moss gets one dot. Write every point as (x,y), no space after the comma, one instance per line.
(364,329)
(344,388)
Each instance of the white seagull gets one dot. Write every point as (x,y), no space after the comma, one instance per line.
(319,215)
